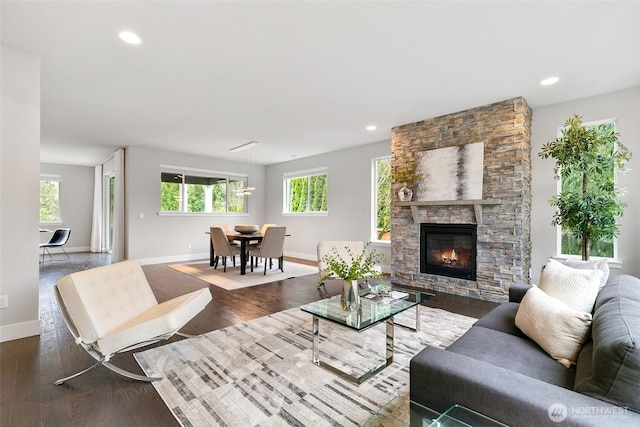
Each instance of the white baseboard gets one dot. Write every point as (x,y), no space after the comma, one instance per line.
(308,257)
(175,258)
(19,330)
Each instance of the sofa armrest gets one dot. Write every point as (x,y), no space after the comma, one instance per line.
(516,292)
(441,378)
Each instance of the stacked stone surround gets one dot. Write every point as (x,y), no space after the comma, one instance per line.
(504,236)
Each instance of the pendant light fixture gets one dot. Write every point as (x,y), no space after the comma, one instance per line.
(243,159)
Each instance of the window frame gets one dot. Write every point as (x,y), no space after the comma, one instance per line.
(53,178)
(307,173)
(561,254)
(374,200)
(183,202)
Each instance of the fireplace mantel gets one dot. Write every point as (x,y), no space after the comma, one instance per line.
(477,206)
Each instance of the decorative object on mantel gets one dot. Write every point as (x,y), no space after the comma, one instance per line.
(587,160)
(451,173)
(407,175)
(359,266)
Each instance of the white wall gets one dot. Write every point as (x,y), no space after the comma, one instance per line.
(19,194)
(76,204)
(623,106)
(349,202)
(158,238)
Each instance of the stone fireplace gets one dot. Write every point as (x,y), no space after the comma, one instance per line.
(500,218)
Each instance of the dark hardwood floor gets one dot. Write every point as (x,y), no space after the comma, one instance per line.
(29,366)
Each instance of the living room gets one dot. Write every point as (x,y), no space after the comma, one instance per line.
(154,238)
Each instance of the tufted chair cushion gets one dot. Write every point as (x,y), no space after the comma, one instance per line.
(105,298)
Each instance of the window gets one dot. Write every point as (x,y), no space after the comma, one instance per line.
(50,199)
(569,244)
(192,191)
(305,192)
(381,206)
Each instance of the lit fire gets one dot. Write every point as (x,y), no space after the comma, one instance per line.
(450,258)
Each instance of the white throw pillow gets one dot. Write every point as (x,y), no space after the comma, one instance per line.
(576,288)
(558,329)
(592,264)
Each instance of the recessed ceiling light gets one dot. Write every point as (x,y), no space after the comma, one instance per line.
(549,81)
(371,127)
(129,37)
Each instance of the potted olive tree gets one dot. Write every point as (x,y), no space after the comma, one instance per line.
(587,161)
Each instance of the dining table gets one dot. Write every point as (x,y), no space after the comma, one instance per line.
(244,239)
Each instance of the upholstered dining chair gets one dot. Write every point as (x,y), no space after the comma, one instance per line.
(272,246)
(59,238)
(222,247)
(112,309)
(254,245)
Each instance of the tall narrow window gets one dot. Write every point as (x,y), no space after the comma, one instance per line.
(50,199)
(305,192)
(570,244)
(381,206)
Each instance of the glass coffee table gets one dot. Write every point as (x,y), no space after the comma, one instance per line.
(377,304)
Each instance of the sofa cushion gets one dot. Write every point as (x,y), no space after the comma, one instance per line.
(557,328)
(614,375)
(577,288)
(619,286)
(514,354)
(592,264)
(503,319)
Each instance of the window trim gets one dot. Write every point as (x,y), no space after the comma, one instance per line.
(374,202)
(58,178)
(323,170)
(614,261)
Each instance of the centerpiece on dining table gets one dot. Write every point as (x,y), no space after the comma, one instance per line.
(246,228)
(357,266)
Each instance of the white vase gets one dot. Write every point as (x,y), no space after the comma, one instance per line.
(405,194)
(350,298)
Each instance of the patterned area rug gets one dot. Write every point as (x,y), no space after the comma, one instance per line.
(260,373)
(232,279)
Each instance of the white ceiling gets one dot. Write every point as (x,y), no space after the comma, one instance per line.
(302,78)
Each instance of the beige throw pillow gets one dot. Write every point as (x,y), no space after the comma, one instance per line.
(558,329)
(576,288)
(592,264)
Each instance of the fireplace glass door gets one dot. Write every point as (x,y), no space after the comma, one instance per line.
(448,250)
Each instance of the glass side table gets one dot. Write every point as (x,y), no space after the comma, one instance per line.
(459,416)
(401,412)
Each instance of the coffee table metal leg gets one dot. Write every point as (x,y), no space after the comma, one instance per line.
(417,327)
(316,340)
(389,345)
(390,338)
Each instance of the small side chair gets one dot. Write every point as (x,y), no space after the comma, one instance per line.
(59,238)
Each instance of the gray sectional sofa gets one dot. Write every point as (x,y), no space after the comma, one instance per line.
(497,370)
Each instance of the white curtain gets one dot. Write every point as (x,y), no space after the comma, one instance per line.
(117,246)
(96,226)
